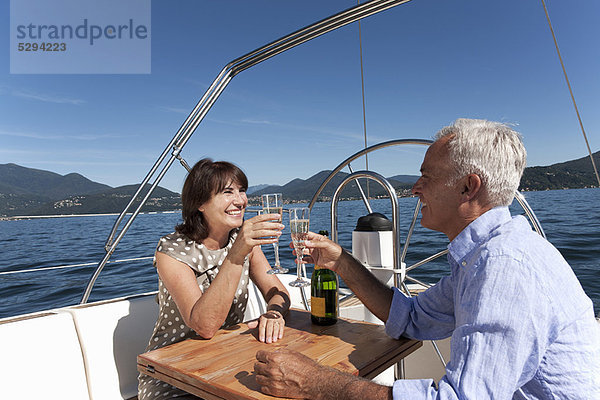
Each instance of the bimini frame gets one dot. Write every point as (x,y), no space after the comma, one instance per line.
(173,149)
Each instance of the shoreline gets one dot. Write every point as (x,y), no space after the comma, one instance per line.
(21,217)
(252,201)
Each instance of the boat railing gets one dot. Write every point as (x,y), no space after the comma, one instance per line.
(397,265)
(68,266)
(530,214)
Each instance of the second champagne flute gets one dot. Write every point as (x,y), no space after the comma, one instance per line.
(299,221)
(273,204)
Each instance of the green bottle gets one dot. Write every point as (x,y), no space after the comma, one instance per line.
(324,295)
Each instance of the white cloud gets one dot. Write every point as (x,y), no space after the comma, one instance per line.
(325,132)
(47,98)
(256,122)
(175,110)
(104,164)
(81,137)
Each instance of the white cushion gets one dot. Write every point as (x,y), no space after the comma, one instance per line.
(41,358)
(112,335)
(256,303)
(295,293)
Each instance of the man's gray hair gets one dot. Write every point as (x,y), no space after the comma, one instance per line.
(489,149)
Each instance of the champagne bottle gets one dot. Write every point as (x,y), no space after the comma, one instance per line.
(324,295)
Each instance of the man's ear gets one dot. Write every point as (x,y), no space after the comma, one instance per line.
(472,186)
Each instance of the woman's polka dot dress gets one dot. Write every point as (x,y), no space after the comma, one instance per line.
(170,327)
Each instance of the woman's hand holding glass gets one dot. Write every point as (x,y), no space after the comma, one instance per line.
(255,231)
(272,203)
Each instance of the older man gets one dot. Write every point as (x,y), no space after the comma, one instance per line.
(520,323)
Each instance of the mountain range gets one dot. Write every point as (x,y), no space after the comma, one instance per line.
(572,174)
(298,190)
(28,191)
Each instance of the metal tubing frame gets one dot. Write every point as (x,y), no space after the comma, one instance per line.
(426,260)
(532,217)
(211,95)
(411,229)
(395,215)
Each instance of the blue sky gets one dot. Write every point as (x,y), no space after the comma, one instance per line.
(426,63)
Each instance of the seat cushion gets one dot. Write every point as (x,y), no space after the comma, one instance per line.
(112,335)
(41,358)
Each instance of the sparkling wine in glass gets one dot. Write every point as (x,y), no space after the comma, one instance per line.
(299,222)
(272,203)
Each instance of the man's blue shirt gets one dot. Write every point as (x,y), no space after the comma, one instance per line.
(516,313)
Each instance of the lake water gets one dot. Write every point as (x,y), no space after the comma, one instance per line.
(570,218)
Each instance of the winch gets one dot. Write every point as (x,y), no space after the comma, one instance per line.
(373,245)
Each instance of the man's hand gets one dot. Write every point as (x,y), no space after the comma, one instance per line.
(322,251)
(328,254)
(286,373)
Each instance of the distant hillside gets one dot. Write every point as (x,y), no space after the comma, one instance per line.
(303,189)
(15,179)
(256,188)
(408,179)
(29,191)
(566,175)
(20,204)
(110,201)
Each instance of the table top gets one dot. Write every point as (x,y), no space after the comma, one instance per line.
(223,367)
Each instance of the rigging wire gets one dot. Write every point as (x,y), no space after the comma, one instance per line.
(571,92)
(362,82)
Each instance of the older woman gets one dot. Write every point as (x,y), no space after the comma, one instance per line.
(204,266)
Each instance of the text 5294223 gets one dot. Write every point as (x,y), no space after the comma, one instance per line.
(44,46)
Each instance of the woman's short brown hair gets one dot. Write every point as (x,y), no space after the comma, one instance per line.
(204,180)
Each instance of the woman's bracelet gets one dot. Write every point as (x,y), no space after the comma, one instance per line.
(279,314)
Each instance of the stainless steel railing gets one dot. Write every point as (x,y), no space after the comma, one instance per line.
(395,215)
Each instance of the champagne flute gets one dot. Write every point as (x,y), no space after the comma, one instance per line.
(299,221)
(272,203)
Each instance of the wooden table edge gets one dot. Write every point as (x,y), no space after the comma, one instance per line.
(211,393)
(412,346)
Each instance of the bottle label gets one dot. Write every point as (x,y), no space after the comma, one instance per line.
(330,285)
(317,306)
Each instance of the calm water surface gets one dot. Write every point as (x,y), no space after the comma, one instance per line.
(570,218)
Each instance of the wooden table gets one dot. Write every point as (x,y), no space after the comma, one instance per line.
(223,367)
